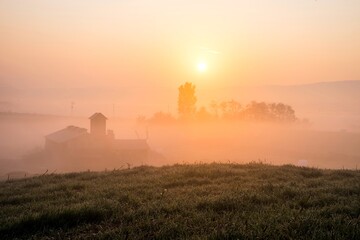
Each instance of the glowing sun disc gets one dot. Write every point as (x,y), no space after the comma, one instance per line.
(202,66)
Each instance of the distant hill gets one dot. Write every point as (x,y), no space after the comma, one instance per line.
(345,92)
(323,93)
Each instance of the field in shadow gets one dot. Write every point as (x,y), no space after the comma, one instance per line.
(215,201)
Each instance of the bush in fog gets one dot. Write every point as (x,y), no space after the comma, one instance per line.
(254,111)
(203,115)
(162,118)
(262,111)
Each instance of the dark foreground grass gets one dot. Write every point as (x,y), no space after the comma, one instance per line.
(215,201)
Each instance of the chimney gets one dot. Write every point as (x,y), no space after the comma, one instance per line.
(98,124)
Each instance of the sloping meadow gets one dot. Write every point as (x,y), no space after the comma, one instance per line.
(215,201)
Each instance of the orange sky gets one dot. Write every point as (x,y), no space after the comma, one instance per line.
(158,43)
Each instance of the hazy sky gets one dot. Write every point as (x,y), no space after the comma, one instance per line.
(71,43)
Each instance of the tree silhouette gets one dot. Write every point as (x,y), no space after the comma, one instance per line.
(282,112)
(230,109)
(187,101)
(257,111)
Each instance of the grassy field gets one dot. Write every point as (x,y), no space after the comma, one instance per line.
(213,201)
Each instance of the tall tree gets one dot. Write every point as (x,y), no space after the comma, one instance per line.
(187,101)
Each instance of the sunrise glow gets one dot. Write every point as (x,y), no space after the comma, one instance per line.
(201,66)
(181,119)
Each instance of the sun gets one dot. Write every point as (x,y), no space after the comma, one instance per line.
(201,66)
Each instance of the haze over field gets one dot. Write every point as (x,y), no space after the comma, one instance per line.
(62,61)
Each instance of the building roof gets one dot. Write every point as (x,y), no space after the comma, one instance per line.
(97,116)
(131,144)
(66,134)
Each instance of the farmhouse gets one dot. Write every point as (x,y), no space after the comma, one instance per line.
(74,141)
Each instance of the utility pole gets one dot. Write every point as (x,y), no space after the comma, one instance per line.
(72,108)
(113,110)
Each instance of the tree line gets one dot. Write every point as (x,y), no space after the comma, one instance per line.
(224,110)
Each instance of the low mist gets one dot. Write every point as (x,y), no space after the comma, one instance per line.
(261,142)
(23,135)
(313,125)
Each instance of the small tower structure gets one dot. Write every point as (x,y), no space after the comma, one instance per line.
(98,125)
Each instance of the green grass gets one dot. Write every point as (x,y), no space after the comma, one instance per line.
(214,201)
